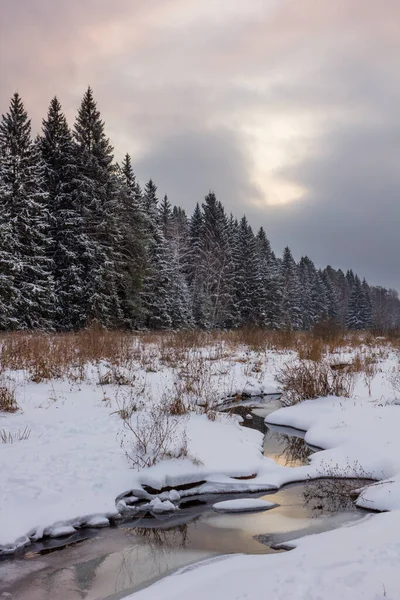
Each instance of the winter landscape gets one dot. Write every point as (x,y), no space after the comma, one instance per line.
(199,308)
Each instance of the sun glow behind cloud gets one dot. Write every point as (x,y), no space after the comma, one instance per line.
(276,142)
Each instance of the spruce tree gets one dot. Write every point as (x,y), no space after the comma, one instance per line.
(165,215)
(157,280)
(248,276)
(271,285)
(216,267)
(27,287)
(195,270)
(356,314)
(133,228)
(173,224)
(292,298)
(97,198)
(367,305)
(66,218)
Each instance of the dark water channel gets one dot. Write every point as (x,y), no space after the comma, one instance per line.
(113,562)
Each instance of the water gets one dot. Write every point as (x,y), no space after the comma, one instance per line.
(114,562)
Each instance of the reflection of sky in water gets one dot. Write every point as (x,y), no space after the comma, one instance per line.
(286,450)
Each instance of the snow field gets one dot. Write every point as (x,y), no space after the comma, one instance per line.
(72,468)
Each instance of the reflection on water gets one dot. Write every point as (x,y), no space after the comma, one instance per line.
(121,560)
(287,450)
(325,496)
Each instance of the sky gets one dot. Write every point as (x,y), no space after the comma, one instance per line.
(288,109)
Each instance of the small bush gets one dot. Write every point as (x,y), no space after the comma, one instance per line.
(152,436)
(307,380)
(8,401)
(113,376)
(176,406)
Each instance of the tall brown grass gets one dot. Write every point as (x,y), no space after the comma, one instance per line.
(44,357)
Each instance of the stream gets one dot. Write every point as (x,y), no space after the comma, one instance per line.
(110,563)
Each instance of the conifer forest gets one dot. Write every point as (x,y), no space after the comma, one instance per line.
(81,243)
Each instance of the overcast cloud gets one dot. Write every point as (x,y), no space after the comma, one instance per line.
(288,109)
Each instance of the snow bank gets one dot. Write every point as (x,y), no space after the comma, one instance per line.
(357,562)
(358,437)
(243,505)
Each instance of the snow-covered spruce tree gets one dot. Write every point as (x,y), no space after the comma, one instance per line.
(248,284)
(271,286)
(331,294)
(314,294)
(307,275)
(341,289)
(66,217)
(367,308)
(165,216)
(96,197)
(26,293)
(133,228)
(351,279)
(321,302)
(194,267)
(356,317)
(175,227)
(157,279)
(235,278)
(292,300)
(216,265)
(8,290)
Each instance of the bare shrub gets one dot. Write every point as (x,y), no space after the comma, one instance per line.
(196,380)
(8,401)
(114,376)
(8,437)
(130,399)
(307,380)
(393,377)
(370,371)
(154,436)
(174,403)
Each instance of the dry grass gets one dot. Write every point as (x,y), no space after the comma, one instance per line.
(8,401)
(308,380)
(118,355)
(7,437)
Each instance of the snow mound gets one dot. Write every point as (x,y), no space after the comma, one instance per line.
(98,521)
(158,506)
(243,505)
(62,531)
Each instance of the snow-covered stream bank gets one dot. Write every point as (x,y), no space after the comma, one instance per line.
(72,468)
(117,561)
(360,437)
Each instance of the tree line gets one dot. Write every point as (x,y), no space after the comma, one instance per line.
(81,243)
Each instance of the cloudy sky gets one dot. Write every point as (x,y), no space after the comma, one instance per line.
(288,109)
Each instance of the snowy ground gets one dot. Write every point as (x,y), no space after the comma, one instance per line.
(73,467)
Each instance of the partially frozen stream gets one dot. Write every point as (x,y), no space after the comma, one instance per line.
(116,561)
